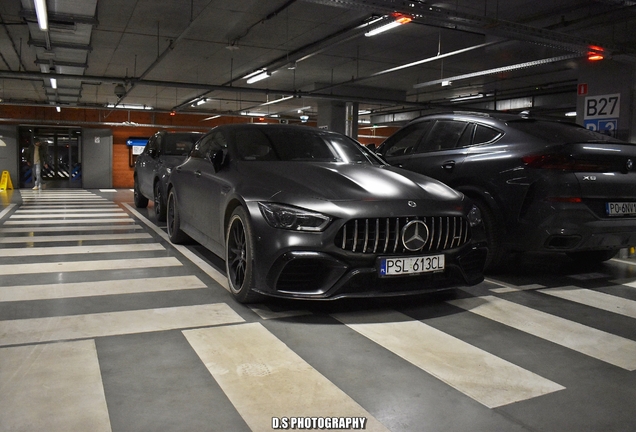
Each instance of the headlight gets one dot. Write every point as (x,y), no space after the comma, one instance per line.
(293,218)
(474,216)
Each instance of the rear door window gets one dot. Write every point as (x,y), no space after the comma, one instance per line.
(485,134)
(406,140)
(444,135)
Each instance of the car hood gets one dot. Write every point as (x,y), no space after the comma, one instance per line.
(342,182)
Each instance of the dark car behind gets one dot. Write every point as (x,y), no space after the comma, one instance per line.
(163,152)
(541,184)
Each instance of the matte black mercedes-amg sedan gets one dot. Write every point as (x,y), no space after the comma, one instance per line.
(304,213)
(541,185)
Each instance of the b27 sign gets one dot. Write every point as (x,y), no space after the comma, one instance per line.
(602,107)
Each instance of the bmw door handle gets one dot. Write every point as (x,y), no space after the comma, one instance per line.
(197,173)
(448,165)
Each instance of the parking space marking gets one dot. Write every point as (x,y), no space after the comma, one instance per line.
(42,384)
(68,250)
(506,288)
(118,227)
(98,288)
(75,238)
(88,326)
(486,378)
(66,215)
(80,266)
(263,378)
(595,299)
(69,221)
(266,313)
(595,343)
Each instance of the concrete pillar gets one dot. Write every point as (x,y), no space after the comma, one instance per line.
(605,101)
(332,115)
(352,120)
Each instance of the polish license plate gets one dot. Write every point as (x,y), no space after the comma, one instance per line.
(620,208)
(411,265)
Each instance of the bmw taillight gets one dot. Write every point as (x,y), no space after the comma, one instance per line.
(564,162)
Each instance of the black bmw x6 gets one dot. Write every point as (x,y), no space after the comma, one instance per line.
(541,185)
(304,213)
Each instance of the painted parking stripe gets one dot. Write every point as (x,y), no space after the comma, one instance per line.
(595,299)
(40,384)
(595,343)
(69,221)
(113,214)
(263,378)
(486,378)
(39,207)
(98,288)
(75,238)
(50,211)
(118,227)
(88,326)
(81,266)
(94,249)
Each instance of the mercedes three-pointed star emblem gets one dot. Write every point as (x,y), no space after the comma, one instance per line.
(415,235)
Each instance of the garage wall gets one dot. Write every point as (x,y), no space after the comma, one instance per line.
(9,153)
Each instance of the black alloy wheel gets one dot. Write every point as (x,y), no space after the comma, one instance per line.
(174,222)
(239,254)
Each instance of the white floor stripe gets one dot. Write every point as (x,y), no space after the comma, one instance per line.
(595,299)
(36,330)
(68,250)
(38,207)
(478,374)
(118,227)
(194,258)
(81,266)
(266,313)
(108,190)
(98,288)
(52,387)
(6,210)
(75,238)
(68,221)
(263,378)
(595,343)
(50,211)
(47,216)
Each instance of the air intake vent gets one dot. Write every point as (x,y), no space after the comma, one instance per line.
(384,235)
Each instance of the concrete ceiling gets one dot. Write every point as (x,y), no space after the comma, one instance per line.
(169,54)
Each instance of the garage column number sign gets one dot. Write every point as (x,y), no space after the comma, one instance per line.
(602,113)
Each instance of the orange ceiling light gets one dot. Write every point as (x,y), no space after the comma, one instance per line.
(398,20)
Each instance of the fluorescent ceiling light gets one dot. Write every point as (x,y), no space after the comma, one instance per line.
(501,69)
(129,106)
(399,20)
(256,72)
(259,77)
(570,114)
(53,83)
(277,100)
(58,109)
(446,83)
(463,98)
(40,12)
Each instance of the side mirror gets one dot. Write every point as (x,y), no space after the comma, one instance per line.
(152,152)
(372,147)
(218,160)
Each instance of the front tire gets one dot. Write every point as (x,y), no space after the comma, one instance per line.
(174,221)
(239,257)
(140,200)
(160,204)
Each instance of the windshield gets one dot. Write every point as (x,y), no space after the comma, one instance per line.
(560,133)
(179,144)
(292,144)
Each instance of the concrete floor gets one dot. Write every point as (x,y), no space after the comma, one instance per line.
(106,326)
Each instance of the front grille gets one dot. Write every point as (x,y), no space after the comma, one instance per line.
(384,235)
